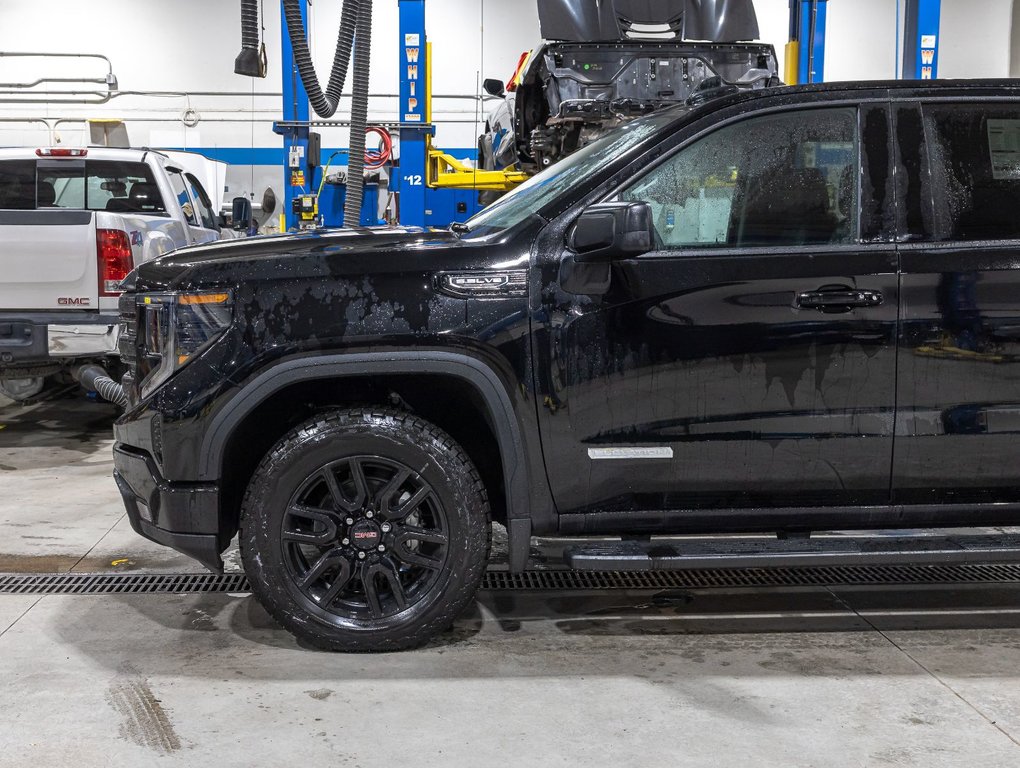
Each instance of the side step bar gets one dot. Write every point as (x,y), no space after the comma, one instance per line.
(745,552)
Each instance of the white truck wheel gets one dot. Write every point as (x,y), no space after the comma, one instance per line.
(20,390)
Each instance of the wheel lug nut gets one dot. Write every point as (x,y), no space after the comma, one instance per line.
(386,527)
(345,542)
(381,547)
(361,555)
(369,514)
(349,521)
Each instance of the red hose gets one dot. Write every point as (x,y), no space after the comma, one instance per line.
(377,158)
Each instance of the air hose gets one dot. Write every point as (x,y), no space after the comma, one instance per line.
(93,378)
(249,61)
(324,104)
(359,115)
(355,25)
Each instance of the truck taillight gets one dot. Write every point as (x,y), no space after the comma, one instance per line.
(115,260)
(61,152)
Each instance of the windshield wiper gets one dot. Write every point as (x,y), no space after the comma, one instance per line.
(459,228)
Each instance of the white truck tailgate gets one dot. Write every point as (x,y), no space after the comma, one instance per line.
(48,260)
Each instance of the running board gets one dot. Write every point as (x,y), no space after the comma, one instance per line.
(744,552)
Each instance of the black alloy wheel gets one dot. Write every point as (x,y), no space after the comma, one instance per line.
(365,529)
(364,538)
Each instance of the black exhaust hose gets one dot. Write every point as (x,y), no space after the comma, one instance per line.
(93,378)
(324,104)
(247,61)
(359,116)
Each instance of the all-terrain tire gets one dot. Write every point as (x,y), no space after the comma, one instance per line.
(296,527)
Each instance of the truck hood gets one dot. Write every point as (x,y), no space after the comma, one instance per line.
(326,254)
(582,21)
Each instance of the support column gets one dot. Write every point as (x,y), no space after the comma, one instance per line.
(921,39)
(298,166)
(1014,41)
(812,41)
(414,78)
(791,66)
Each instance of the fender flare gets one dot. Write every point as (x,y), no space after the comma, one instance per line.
(475,372)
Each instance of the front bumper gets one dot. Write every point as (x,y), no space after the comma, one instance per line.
(183,516)
(35,339)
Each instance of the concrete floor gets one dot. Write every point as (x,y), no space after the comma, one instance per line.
(778,677)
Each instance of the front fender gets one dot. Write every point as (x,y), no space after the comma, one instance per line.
(475,372)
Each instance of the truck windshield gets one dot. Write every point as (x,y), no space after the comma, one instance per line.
(534,194)
(95,185)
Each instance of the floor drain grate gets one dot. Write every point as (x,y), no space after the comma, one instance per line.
(189,583)
(120,583)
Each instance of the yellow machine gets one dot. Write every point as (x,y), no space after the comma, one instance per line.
(443,171)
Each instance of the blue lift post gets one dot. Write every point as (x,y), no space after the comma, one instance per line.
(810,24)
(300,168)
(419,205)
(921,39)
(409,178)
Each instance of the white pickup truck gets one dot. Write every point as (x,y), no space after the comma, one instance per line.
(73,223)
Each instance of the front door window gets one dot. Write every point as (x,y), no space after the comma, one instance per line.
(779,180)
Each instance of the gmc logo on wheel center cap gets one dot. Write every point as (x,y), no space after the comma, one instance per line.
(365,535)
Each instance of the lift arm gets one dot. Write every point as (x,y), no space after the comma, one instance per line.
(444,171)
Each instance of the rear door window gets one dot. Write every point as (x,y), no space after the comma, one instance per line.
(784,179)
(974,156)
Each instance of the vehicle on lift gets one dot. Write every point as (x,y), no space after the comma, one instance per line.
(74,223)
(718,319)
(602,65)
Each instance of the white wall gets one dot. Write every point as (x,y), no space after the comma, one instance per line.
(975,38)
(860,43)
(188,46)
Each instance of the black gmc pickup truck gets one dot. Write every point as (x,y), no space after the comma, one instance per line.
(786,312)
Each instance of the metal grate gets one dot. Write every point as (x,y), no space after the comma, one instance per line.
(120,583)
(750,578)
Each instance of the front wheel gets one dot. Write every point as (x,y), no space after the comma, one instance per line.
(365,530)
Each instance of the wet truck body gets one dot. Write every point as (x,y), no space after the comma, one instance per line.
(776,312)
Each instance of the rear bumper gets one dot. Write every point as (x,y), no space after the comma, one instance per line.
(38,339)
(183,516)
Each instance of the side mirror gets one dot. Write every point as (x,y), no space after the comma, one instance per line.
(241,213)
(608,231)
(493,87)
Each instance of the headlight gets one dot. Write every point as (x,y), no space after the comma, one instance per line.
(175,327)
